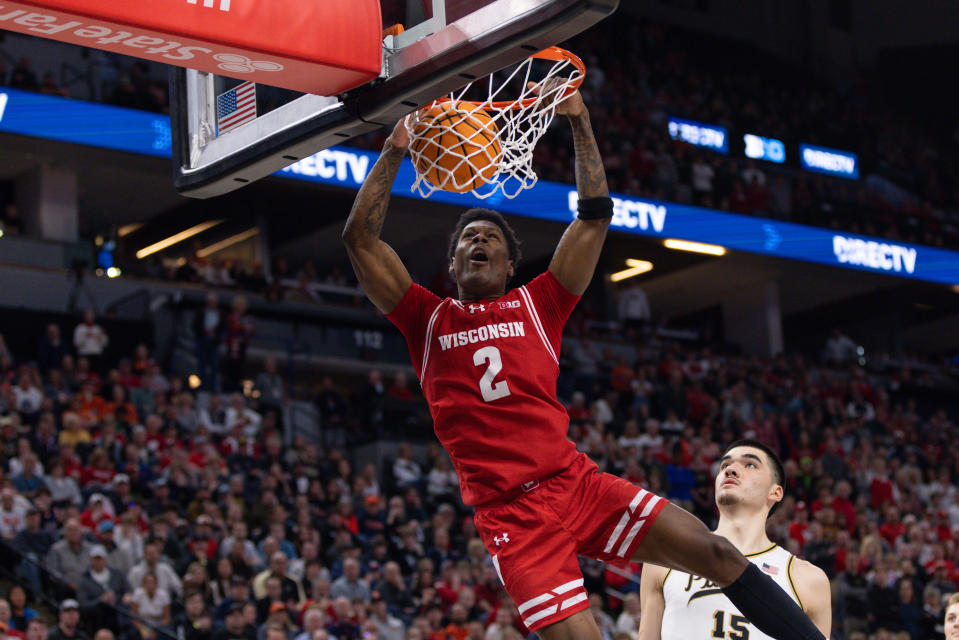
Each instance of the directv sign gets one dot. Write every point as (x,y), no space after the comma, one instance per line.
(833,162)
(87,123)
(760,148)
(699,134)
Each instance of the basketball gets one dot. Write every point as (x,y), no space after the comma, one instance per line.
(455,146)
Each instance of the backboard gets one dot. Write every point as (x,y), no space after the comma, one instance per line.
(445,44)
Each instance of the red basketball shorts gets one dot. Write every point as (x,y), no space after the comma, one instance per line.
(535,538)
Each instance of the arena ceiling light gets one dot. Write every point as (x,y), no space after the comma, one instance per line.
(177,237)
(227,242)
(127,229)
(695,247)
(636,267)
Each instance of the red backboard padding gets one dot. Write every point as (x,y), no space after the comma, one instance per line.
(316,46)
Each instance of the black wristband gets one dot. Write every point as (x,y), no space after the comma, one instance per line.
(595,208)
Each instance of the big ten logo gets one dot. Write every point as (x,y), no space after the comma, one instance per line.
(368,339)
(235,63)
(509,304)
(224,4)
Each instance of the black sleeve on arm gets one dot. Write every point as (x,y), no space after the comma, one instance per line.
(595,208)
(766,605)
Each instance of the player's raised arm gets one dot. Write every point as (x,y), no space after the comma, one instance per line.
(813,588)
(379,270)
(653,602)
(578,251)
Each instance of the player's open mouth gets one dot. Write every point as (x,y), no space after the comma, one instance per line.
(478,255)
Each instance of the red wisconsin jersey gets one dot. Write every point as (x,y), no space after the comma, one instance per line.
(488,370)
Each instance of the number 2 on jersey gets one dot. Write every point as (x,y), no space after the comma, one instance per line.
(489,390)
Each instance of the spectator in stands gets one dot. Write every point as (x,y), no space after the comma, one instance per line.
(314,620)
(166,578)
(36,629)
(118,558)
(234,627)
(239,330)
(634,309)
(20,613)
(442,484)
(330,403)
(371,400)
(90,340)
(208,328)
(51,349)
(271,388)
(350,585)
(28,398)
(240,416)
(213,418)
(34,543)
(69,558)
(406,471)
(195,622)
(67,627)
(628,620)
(101,590)
(13,512)
(28,482)
(840,348)
(291,593)
(151,602)
(238,545)
(63,488)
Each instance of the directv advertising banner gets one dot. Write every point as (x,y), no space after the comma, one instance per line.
(699,134)
(832,162)
(145,133)
(87,123)
(557,202)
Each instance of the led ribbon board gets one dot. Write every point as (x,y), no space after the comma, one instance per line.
(135,131)
(832,162)
(699,134)
(762,148)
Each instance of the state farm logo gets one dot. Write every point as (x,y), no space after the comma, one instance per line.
(235,63)
(161,49)
(224,4)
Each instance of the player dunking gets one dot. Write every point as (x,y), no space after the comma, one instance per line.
(488,365)
(681,606)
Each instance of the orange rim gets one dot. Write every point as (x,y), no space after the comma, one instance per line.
(550,53)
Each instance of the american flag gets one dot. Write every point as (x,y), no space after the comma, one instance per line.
(235,107)
(771,570)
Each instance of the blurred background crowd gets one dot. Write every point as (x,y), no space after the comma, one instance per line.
(134,503)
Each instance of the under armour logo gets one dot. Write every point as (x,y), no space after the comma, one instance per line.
(477,307)
(502,540)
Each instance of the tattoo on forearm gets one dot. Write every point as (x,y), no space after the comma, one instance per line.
(590,173)
(369,208)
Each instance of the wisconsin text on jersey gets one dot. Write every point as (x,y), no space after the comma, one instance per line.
(482,334)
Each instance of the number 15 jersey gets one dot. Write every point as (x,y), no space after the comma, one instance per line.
(488,369)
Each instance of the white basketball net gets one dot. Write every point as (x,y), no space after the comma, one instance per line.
(517,124)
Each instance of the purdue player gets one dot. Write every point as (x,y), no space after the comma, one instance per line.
(681,606)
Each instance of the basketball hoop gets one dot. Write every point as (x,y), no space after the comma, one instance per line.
(460,153)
